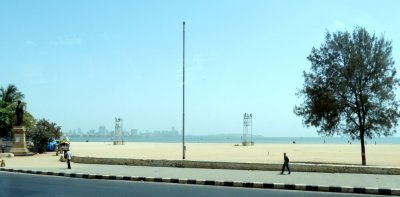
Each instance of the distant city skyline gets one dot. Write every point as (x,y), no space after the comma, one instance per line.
(104,132)
(80,64)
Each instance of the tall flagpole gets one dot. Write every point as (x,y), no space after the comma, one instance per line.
(183,84)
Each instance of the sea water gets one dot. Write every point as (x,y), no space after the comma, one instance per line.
(237,139)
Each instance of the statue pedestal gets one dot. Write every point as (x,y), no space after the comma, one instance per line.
(19,145)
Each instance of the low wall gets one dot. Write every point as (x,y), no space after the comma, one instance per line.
(4,155)
(240,166)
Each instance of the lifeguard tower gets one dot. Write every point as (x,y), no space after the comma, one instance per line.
(118,133)
(247,137)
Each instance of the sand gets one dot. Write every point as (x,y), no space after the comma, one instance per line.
(381,154)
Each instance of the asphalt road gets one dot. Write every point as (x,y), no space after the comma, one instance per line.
(15,184)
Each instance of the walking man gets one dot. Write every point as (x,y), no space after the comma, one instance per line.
(286,163)
(69,156)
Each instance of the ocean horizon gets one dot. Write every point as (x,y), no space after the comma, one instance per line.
(237,140)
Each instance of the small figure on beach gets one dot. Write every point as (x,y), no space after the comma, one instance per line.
(348,141)
(285,163)
(19,111)
(68,156)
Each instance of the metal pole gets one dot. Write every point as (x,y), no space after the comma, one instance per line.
(183,84)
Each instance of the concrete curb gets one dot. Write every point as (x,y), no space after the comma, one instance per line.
(5,155)
(329,168)
(261,185)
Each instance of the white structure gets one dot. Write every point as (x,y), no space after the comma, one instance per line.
(247,137)
(118,127)
(118,132)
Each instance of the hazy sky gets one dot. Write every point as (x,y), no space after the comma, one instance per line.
(82,63)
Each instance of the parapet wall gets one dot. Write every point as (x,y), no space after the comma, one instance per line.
(240,166)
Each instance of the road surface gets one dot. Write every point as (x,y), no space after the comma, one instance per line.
(15,184)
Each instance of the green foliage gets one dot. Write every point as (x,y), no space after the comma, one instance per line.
(30,125)
(8,119)
(45,131)
(350,88)
(5,119)
(10,94)
(8,103)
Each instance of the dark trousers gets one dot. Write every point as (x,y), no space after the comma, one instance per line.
(283,167)
(69,164)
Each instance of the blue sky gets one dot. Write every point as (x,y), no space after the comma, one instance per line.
(82,63)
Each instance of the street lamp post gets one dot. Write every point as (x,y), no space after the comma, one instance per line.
(183,85)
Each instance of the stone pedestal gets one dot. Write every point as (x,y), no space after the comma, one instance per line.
(19,144)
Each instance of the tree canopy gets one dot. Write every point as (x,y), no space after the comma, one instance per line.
(5,119)
(350,87)
(10,94)
(45,131)
(8,98)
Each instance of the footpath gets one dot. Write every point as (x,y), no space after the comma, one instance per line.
(48,164)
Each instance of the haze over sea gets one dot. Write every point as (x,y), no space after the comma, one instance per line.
(237,140)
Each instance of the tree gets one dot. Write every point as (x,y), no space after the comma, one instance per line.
(8,98)
(350,88)
(30,125)
(45,132)
(8,118)
(10,94)
(5,119)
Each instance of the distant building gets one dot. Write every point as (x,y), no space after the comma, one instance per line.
(134,132)
(102,131)
(174,131)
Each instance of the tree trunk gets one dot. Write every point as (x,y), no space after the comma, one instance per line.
(364,160)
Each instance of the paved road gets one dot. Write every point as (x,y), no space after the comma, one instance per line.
(49,162)
(14,184)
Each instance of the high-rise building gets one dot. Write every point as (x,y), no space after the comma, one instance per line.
(102,130)
(174,132)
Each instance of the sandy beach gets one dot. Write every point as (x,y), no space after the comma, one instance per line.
(382,154)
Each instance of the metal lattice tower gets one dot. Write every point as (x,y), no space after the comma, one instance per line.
(118,127)
(247,137)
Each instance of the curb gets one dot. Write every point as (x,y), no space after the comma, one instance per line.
(260,185)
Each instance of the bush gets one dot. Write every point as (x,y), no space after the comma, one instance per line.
(45,132)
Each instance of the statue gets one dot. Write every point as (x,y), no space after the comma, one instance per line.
(19,143)
(19,111)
